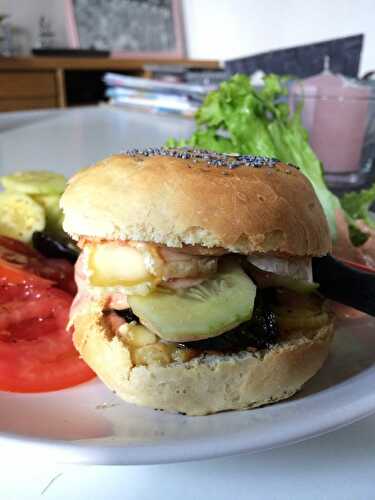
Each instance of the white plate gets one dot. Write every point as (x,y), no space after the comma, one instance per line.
(88,424)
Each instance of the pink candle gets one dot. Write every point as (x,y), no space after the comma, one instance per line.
(335,115)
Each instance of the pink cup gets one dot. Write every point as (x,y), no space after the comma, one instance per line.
(335,114)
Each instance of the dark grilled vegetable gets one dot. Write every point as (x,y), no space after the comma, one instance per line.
(128,315)
(54,248)
(261,332)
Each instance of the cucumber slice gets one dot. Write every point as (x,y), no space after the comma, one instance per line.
(20,216)
(299,286)
(54,215)
(34,182)
(202,311)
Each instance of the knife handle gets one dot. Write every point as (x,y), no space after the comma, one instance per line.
(345,284)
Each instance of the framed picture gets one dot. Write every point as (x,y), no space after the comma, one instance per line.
(128,28)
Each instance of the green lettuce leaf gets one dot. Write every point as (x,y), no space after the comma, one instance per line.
(357,205)
(238,118)
(357,237)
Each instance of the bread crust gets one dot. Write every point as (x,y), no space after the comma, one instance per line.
(174,201)
(207,384)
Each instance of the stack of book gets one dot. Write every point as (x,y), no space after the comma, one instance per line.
(159,96)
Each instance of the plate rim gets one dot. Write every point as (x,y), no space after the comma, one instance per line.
(84,452)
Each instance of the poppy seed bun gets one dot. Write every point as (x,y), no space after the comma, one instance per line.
(207,384)
(261,205)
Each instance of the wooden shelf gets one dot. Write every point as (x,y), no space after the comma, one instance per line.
(93,63)
(35,82)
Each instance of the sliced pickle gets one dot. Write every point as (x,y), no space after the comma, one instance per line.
(300,319)
(199,312)
(297,311)
(299,286)
(20,216)
(54,215)
(34,182)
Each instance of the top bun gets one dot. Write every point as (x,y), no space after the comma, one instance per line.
(245,204)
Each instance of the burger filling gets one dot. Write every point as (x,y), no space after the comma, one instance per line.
(172,305)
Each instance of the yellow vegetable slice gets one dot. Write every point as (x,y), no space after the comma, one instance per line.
(34,182)
(301,319)
(20,216)
(112,264)
(54,215)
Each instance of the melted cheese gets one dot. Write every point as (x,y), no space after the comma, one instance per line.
(133,263)
(117,264)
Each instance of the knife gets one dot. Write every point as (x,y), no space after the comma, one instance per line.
(346,282)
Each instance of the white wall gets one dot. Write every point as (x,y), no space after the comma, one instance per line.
(24,16)
(225,29)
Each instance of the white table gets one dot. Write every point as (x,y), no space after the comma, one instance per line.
(70,139)
(340,465)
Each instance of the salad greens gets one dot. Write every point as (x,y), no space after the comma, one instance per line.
(238,118)
(357,205)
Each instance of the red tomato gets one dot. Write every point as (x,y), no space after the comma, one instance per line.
(27,261)
(36,352)
(17,274)
(61,271)
(17,247)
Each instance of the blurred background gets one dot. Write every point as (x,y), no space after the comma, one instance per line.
(203,34)
(225,29)
(166,56)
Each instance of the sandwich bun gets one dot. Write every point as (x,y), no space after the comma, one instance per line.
(226,203)
(259,206)
(206,384)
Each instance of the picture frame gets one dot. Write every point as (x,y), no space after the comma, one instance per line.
(174,42)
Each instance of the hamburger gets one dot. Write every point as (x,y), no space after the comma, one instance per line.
(195,291)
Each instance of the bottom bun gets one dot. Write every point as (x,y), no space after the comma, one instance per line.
(206,384)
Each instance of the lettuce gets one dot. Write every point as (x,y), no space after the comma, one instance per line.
(357,205)
(238,118)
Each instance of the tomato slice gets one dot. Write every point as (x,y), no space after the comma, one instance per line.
(62,272)
(17,247)
(26,265)
(18,275)
(36,351)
